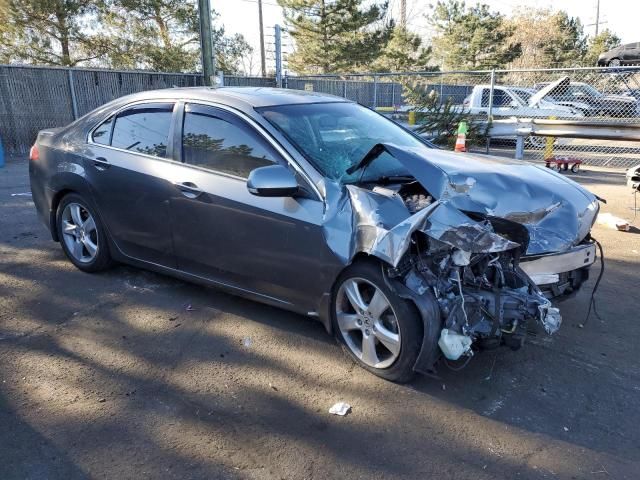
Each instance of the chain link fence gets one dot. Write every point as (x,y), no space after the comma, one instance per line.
(499,101)
(496,102)
(34,98)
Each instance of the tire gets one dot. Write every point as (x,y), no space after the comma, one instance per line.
(399,319)
(614,62)
(575,168)
(82,235)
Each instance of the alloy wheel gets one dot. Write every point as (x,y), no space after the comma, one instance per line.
(80,234)
(368,323)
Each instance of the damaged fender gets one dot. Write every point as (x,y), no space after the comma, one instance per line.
(447,257)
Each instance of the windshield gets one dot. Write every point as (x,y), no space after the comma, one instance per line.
(582,90)
(525,95)
(335,136)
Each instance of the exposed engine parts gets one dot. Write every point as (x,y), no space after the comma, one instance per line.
(485,299)
(478,257)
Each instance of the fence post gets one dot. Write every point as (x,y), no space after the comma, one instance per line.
(278,57)
(393,95)
(72,92)
(219,79)
(1,154)
(375,92)
(286,80)
(490,112)
(519,147)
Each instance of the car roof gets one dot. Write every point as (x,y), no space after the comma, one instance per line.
(239,96)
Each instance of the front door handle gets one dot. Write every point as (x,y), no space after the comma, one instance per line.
(101,163)
(189,189)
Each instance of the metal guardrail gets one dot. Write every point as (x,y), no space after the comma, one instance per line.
(524,127)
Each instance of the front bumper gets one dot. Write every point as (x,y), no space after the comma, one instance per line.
(560,274)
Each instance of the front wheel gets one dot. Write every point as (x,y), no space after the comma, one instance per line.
(81,234)
(379,330)
(614,62)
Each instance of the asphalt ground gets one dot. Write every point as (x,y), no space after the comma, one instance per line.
(129,374)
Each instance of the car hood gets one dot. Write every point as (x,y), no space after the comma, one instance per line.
(557,212)
(559,85)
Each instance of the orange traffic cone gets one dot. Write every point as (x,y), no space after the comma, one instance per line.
(462,138)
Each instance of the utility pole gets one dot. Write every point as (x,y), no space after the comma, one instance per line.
(597,15)
(403,14)
(263,66)
(206,42)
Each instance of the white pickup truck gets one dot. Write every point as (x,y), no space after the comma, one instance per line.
(514,102)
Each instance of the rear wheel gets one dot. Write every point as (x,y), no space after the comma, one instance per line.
(379,330)
(81,234)
(614,62)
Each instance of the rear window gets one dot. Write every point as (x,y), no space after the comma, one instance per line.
(143,129)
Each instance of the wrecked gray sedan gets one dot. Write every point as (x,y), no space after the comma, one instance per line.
(410,255)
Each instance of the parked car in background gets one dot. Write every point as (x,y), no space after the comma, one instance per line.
(514,102)
(628,54)
(316,204)
(509,102)
(590,101)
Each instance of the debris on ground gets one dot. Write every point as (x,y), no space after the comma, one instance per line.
(340,408)
(566,429)
(23,194)
(189,308)
(247,342)
(612,221)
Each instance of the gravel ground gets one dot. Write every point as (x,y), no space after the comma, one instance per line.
(114,376)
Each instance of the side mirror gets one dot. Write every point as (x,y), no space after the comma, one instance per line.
(272,181)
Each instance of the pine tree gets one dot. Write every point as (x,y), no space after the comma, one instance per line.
(403,52)
(163,35)
(601,43)
(335,35)
(471,38)
(50,32)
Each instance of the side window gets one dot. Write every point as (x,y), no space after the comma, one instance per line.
(216,144)
(484,99)
(501,98)
(103,132)
(143,129)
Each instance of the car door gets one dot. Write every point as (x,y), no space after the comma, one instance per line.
(267,245)
(503,103)
(631,53)
(129,171)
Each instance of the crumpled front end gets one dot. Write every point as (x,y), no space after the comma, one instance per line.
(461,263)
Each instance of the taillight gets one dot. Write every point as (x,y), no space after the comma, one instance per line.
(34,153)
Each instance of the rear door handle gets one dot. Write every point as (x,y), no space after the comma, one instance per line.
(189,189)
(101,163)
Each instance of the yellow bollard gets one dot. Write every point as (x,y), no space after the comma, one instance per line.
(412,118)
(548,146)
